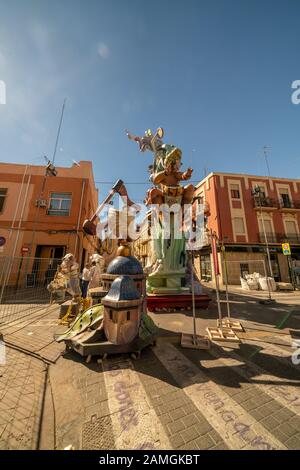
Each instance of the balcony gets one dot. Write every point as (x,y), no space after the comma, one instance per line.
(289,206)
(265,203)
(271,237)
(291,238)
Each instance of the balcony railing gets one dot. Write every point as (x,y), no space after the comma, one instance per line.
(264,202)
(271,237)
(279,238)
(268,202)
(289,205)
(289,238)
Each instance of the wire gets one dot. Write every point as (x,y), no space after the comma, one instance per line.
(136,182)
(58,132)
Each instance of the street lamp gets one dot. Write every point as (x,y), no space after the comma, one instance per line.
(257,193)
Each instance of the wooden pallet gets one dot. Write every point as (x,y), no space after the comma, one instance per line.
(222,334)
(202,342)
(232,324)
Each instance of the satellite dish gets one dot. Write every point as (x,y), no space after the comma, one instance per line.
(76,163)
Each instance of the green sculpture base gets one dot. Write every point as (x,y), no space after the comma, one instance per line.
(166,283)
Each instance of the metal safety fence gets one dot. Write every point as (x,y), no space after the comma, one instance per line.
(23,285)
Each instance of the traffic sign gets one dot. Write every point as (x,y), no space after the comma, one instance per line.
(286,249)
(2,241)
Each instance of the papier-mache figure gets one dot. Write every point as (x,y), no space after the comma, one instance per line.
(168,180)
(168,260)
(57,287)
(70,269)
(97,264)
(165,171)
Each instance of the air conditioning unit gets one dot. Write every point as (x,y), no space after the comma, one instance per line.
(41,203)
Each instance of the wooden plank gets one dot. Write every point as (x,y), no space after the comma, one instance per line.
(222,334)
(228,323)
(202,342)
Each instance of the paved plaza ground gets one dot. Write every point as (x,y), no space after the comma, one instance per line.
(234,396)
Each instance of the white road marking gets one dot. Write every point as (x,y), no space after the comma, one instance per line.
(237,427)
(134,421)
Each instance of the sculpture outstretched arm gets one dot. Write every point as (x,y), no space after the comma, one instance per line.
(139,140)
(132,137)
(149,141)
(187,174)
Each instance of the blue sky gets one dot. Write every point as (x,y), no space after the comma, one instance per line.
(216,74)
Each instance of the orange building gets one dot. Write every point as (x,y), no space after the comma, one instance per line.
(241,221)
(41,215)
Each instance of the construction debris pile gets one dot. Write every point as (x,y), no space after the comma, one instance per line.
(256,281)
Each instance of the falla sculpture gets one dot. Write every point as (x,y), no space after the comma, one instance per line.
(167,272)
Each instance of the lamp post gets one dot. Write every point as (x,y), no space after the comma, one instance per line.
(257,192)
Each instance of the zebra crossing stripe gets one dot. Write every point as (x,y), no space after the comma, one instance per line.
(134,421)
(288,396)
(237,427)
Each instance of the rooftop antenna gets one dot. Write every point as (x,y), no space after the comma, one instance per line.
(266,151)
(59,128)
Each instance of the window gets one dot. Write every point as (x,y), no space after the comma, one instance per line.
(286,200)
(3,193)
(235,191)
(239,226)
(60,204)
(271,237)
(262,192)
(128,316)
(267,224)
(285,197)
(291,227)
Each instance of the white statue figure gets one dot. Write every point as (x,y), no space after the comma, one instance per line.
(70,269)
(97,264)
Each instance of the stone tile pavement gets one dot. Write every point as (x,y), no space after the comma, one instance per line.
(34,333)
(22,382)
(234,396)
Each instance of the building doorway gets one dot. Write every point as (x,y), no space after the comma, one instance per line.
(275,267)
(45,263)
(205,268)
